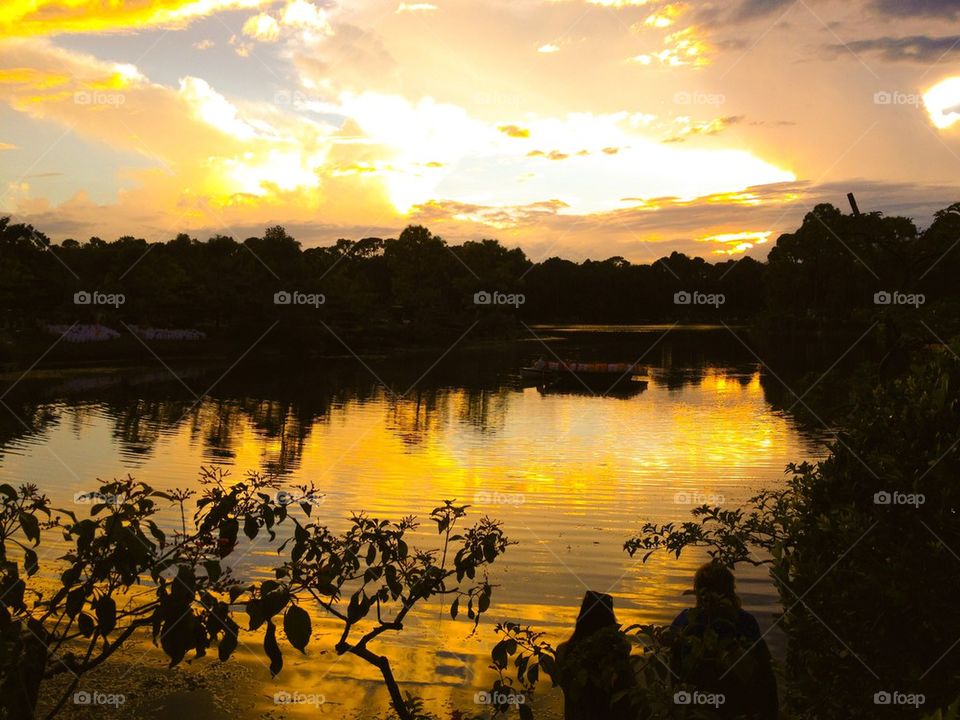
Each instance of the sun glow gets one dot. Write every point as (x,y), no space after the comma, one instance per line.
(943,103)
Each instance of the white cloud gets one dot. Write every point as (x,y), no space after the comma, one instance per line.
(305,15)
(415,7)
(263,27)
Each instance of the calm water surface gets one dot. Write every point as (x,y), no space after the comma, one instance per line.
(571,475)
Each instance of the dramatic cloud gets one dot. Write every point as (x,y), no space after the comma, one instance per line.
(49,17)
(916,48)
(596,127)
(915,8)
(751,9)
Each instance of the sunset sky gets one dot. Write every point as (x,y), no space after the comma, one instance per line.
(580,128)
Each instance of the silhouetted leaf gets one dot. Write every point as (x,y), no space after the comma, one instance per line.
(106,610)
(272,649)
(297,626)
(86,624)
(30,562)
(75,601)
(213,569)
(229,641)
(176,636)
(31,527)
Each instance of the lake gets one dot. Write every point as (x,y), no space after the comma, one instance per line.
(570,474)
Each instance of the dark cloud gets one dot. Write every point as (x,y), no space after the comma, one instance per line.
(915,48)
(751,9)
(913,8)
(712,14)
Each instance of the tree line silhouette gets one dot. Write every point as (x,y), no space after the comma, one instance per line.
(418,287)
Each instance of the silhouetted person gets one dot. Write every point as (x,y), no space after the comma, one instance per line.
(737,665)
(594,664)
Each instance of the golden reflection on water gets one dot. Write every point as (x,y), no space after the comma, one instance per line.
(570,476)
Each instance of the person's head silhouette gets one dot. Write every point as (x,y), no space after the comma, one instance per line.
(713,580)
(596,613)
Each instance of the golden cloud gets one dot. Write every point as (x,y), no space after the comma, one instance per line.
(215,162)
(514,131)
(736,243)
(20,18)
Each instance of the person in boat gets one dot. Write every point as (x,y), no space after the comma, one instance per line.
(738,666)
(593,666)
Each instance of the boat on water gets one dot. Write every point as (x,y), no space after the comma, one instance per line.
(594,377)
(544,368)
